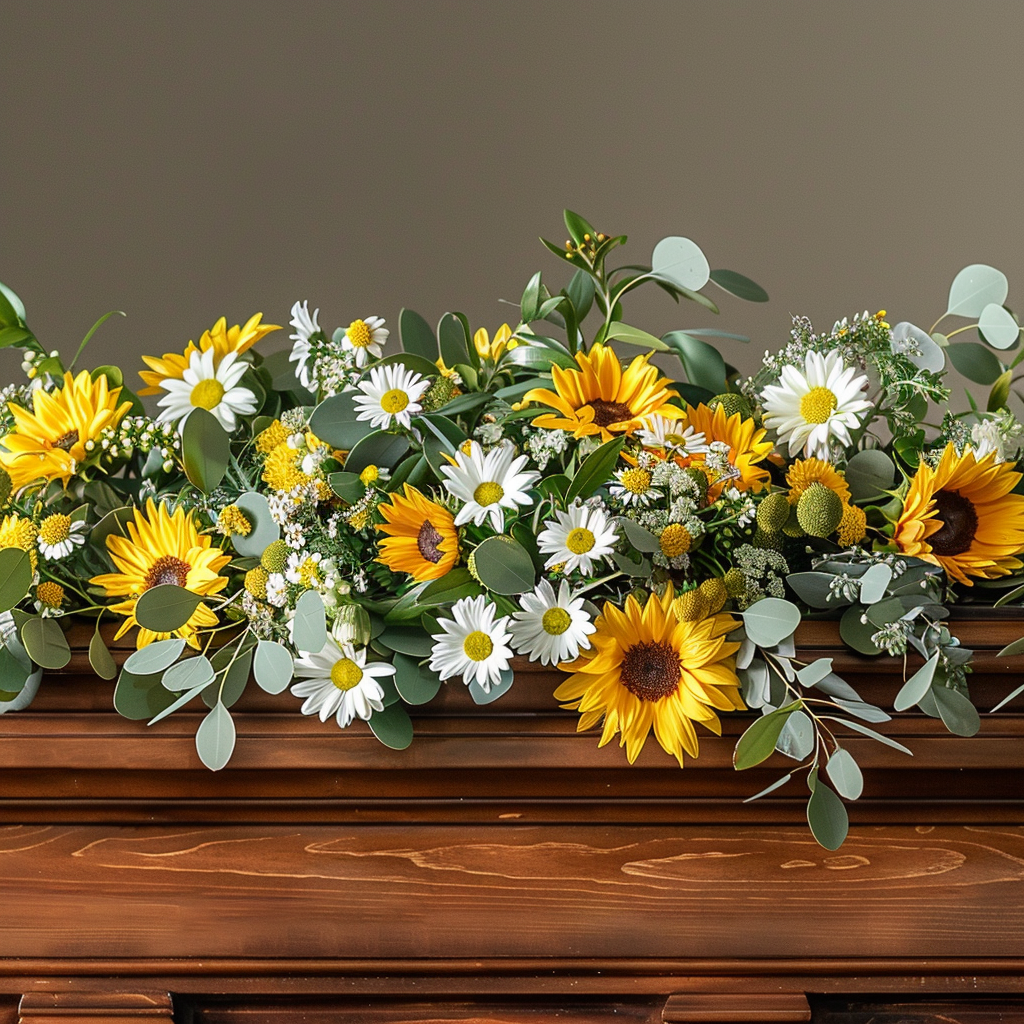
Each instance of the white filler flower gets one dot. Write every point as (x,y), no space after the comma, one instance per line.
(474,644)
(808,409)
(366,338)
(489,483)
(578,538)
(391,395)
(337,681)
(306,326)
(551,627)
(204,386)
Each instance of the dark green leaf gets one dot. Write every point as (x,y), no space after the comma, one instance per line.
(166,607)
(597,469)
(738,285)
(974,361)
(857,633)
(703,364)
(392,727)
(869,474)
(827,816)
(581,290)
(416,684)
(451,333)
(639,538)
(45,642)
(758,742)
(15,577)
(415,363)
(205,449)
(417,336)
(504,566)
(140,697)
(100,658)
(15,669)
(347,486)
(958,714)
(334,422)
(381,449)
(577,227)
(407,640)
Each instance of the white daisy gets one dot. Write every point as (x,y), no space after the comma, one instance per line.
(366,338)
(578,538)
(489,483)
(672,434)
(473,644)
(808,409)
(391,395)
(337,681)
(59,536)
(205,386)
(551,628)
(634,486)
(305,327)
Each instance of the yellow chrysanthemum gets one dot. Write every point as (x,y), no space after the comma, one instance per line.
(16,532)
(49,442)
(422,539)
(805,472)
(648,669)
(163,548)
(267,440)
(853,527)
(962,516)
(281,471)
(747,447)
(600,397)
(221,338)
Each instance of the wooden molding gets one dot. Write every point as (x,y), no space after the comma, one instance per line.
(95,1007)
(736,1008)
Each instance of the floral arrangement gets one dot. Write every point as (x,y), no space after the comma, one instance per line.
(363,524)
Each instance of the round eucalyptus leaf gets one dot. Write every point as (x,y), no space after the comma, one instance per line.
(998,326)
(770,621)
(918,346)
(797,737)
(166,607)
(15,577)
(958,714)
(392,726)
(874,582)
(416,684)
(380,449)
(272,666)
(309,626)
(154,657)
(188,674)
(681,261)
(265,531)
(25,696)
(869,474)
(857,633)
(215,738)
(498,689)
(974,288)
(205,449)
(827,817)
(45,642)
(334,422)
(845,774)
(504,566)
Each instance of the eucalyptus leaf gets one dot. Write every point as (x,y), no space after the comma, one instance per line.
(738,285)
(796,740)
(504,566)
(874,583)
(15,577)
(827,817)
(758,741)
(634,336)
(381,449)
(499,689)
(975,361)
(958,714)
(179,702)
(845,774)
(309,626)
(917,685)
(100,658)
(205,449)
(45,642)
(777,784)
(812,674)
(272,666)
(680,261)
(335,421)
(140,697)
(417,336)
(407,640)
(929,355)
(639,538)
(392,727)
(869,474)
(856,632)
(416,684)
(189,674)
(815,589)
(15,668)
(265,530)
(215,738)
(880,737)
(998,326)
(976,287)
(770,621)
(1006,700)
(166,607)
(154,657)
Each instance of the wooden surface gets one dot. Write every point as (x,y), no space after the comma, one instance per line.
(504,868)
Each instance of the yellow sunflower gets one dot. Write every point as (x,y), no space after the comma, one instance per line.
(962,516)
(647,669)
(163,548)
(422,539)
(747,447)
(805,472)
(49,443)
(221,338)
(600,397)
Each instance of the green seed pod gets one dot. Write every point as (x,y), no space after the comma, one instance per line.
(275,556)
(735,583)
(773,512)
(731,403)
(819,510)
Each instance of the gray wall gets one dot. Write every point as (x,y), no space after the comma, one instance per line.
(185,160)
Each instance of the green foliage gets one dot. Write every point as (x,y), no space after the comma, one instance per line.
(205,450)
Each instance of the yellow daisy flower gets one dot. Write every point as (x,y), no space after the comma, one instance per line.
(648,669)
(422,539)
(962,516)
(162,547)
(600,397)
(747,447)
(49,442)
(805,472)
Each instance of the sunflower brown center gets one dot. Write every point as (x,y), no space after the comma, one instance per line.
(167,569)
(428,542)
(650,670)
(606,413)
(66,442)
(959,524)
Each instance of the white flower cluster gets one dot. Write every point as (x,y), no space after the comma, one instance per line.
(138,434)
(544,445)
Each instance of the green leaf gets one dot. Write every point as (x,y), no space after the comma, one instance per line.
(392,727)
(758,742)
(166,607)
(264,531)
(974,288)
(777,784)
(415,363)
(272,666)
(15,577)
(381,449)
(845,774)
(826,815)
(998,326)
(415,682)
(205,450)
(1006,700)
(917,685)
(577,227)
(92,330)
(215,738)
(45,642)
(180,701)
(504,566)
(15,668)
(454,344)
(858,634)
(597,469)
(870,474)
(797,737)
(417,336)
(334,421)
(639,538)
(309,626)
(233,668)
(975,361)
(100,658)
(191,673)
(581,290)
(16,336)
(770,621)
(738,285)
(452,586)
(499,689)
(347,486)
(154,658)
(140,697)
(958,714)
(814,588)
(281,371)
(407,640)
(857,727)
(537,358)
(812,674)
(12,309)
(634,336)
(703,363)
(111,525)
(874,583)
(681,262)
(1016,647)
(999,396)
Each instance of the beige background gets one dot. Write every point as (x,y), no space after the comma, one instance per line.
(181,161)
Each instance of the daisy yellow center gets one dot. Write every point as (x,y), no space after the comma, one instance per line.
(477,646)
(167,569)
(346,674)
(817,405)
(606,413)
(51,594)
(556,621)
(959,524)
(55,529)
(580,540)
(650,670)
(636,481)
(359,333)
(488,493)
(394,400)
(207,394)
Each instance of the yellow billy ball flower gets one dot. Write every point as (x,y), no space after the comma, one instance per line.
(852,527)
(819,510)
(50,594)
(275,556)
(256,582)
(675,540)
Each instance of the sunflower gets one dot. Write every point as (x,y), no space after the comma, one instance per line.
(221,338)
(962,516)
(422,539)
(49,443)
(600,397)
(805,472)
(646,668)
(163,548)
(747,447)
